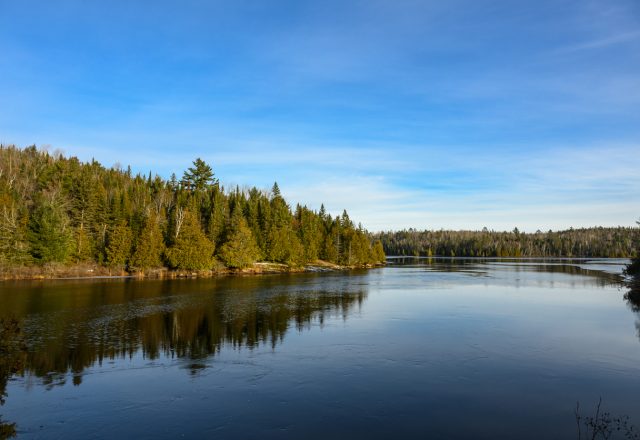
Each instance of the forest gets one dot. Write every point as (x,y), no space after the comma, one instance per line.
(61,212)
(596,242)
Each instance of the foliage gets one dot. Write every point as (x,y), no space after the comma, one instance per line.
(378,252)
(83,245)
(620,242)
(149,247)
(192,249)
(49,233)
(198,177)
(119,246)
(240,250)
(57,209)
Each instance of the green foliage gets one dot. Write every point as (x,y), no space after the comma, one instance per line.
(56,209)
(119,242)
(149,246)
(331,247)
(50,234)
(378,252)
(284,246)
(240,250)
(198,177)
(83,245)
(218,216)
(275,190)
(192,249)
(310,232)
(618,242)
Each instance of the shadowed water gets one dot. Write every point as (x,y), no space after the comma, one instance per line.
(437,348)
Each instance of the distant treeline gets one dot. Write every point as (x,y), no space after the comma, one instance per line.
(60,210)
(620,242)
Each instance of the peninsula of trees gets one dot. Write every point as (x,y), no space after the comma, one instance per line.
(60,212)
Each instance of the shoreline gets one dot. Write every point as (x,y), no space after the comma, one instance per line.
(95,272)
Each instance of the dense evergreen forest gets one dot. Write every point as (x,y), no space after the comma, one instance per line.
(621,242)
(57,211)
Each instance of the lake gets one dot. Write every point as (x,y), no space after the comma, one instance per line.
(431,348)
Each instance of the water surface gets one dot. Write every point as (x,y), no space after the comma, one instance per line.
(438,348)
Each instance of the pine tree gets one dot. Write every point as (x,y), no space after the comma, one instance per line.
(192,249)
(118,248)
(378,252)
(282,244)
(198,177)
(149,247)
(240,250)
(361,249)
(331,246)
(218,216)
(310,228)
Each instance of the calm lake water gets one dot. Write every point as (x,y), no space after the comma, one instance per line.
(436,348)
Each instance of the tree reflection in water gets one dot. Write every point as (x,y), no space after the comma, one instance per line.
(12,354)
(633,298)
(158,320)
(82,325)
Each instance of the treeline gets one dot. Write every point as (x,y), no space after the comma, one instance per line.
(60,210)
(620,242)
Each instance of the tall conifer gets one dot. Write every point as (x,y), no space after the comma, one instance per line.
(149,246)
(240,250)
(192,249)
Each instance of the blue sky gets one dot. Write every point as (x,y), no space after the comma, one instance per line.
(426,114)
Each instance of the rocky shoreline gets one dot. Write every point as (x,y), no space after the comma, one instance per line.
(60,272)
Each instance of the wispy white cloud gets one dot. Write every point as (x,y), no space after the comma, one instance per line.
(559,189)
(601,43)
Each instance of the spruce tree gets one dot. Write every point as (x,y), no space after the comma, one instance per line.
(218,216)
(50,235)
(275,190)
